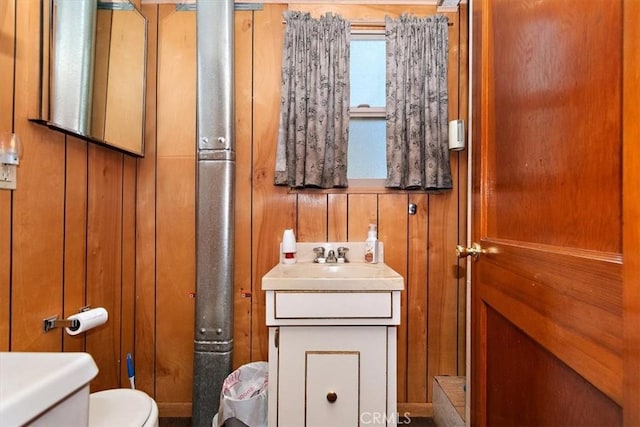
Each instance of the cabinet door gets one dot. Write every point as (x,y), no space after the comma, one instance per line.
(316,362)
(331,388)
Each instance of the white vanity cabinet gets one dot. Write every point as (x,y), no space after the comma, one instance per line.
(332,345)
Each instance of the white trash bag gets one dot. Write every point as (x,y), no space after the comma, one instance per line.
(244,396)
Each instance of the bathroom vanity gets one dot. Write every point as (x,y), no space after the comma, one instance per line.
(332,340)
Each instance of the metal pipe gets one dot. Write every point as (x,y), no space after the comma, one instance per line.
(213,335)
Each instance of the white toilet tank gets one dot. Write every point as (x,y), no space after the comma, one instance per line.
(52,389)
(45,389)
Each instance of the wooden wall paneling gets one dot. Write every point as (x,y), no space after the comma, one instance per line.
(417,300)
(443,298)
(5,269)
(463,181)
(175,215)
(274,208)
(7,60)
(442,332)
(38,204)
(631,211)
(75,236)
(337,217)
(243,40)
(104,262)
(37,257)
(312,217)
(393,227)
(128,261)
(362,211)
(145,309)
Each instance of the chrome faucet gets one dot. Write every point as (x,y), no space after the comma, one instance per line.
(331,256)
(342,254)
(319,251)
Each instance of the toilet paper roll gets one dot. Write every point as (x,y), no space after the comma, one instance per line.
(88,320)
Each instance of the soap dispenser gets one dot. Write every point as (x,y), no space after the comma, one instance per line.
(371,245)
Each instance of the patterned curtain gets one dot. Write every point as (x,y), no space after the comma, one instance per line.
(314,112)
(417,103)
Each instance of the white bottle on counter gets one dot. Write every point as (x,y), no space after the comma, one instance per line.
(288,247)
(371,245)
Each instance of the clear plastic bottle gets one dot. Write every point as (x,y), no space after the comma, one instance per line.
(371,245)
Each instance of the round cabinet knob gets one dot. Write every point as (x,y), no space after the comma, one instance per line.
(332,396)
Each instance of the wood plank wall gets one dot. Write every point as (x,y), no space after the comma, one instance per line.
(68,231)
(88,225)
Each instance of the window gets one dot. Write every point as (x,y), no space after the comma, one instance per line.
(367,124)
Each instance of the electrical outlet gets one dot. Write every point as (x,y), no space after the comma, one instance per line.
(8,175)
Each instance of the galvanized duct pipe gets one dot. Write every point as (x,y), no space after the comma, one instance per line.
(213,338)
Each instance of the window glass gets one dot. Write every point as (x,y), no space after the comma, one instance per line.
(368,72)
(367,157)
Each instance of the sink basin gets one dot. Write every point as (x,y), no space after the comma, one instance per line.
(349,276)
(52,388)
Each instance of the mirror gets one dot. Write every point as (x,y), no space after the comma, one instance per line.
(93,71)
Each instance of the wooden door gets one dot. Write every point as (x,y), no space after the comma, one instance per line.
(547,329)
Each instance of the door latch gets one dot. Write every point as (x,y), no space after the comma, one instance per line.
(475,250)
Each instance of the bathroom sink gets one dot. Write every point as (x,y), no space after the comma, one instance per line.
(50,387)
(351,276)
(355,275)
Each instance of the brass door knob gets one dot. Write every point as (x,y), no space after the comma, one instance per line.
(475,250)
(332,396)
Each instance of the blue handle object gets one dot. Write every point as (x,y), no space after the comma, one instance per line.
(130,365)
(130,370)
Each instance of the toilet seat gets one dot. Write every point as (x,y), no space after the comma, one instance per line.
(123,408)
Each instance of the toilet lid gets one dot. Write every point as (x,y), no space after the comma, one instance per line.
(119,407)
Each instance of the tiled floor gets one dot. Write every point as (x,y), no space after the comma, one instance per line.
(186,422)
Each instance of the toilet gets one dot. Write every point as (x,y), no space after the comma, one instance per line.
(122,407)
(52,389)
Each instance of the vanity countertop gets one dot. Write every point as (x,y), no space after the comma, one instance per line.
(356,275)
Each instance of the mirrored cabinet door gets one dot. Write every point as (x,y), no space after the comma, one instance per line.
(93,71)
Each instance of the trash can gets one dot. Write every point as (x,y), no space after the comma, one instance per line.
(243,400)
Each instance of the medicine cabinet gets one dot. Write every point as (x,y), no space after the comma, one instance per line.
(93,71)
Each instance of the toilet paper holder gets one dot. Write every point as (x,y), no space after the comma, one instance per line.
(53,322)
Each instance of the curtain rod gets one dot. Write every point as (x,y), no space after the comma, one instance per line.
(364,23)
